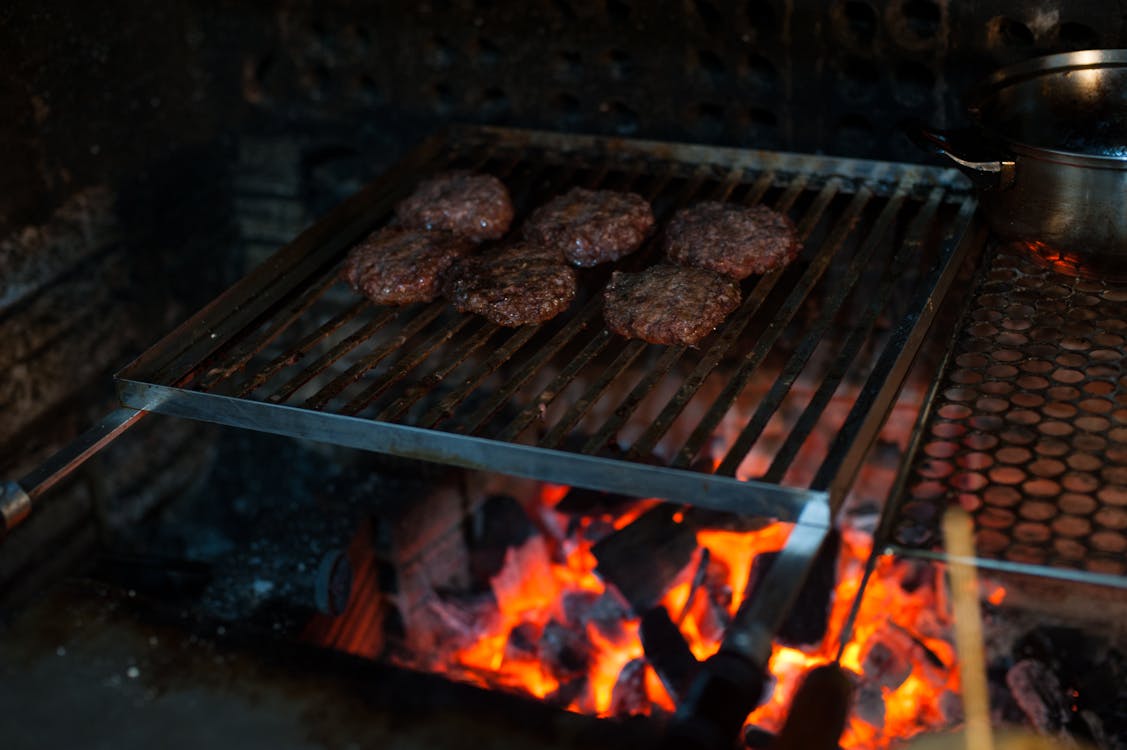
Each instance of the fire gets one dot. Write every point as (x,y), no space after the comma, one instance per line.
(610,675)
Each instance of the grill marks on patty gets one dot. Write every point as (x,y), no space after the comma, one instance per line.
(513,286)
(395,266)
(668,304)
(475,206)
(731,239)
(592,226)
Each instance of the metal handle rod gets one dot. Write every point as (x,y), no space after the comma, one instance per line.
(16,498)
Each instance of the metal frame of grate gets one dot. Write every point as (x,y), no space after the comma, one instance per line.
(1027,427)
(290,350)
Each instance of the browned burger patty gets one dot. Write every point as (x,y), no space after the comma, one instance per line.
(476,206)
(519,284)
(668,304)
(731,239)
(400,266)
(592,226)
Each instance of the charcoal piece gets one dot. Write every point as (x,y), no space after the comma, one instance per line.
(603,611)
(810,616)
(1037,690)
(498,524)
(887,660)
(523,642)
(629,695)
(869,706)
(668,652)
(564,651)
(643,559)
(757,738)
(568,692)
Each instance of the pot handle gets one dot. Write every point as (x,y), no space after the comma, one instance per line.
(988,168)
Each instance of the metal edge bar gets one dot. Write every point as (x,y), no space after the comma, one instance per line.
(1005,566)
(217,322)
(860,430)
(751,159)
(689,488)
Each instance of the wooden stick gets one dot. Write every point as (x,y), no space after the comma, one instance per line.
(958,533)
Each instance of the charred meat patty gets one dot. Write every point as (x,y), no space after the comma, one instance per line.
(400,266)
(475,206)
(520,284)
(592,226)
(669,304)
(735,240)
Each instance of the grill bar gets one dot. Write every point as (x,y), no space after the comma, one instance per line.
(596,346)
(304,346)
(782,384)
(301,352)
(853,343)
(766,341)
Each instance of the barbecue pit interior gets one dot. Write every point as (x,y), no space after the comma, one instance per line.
(549,529)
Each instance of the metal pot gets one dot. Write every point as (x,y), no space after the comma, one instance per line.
(1049,151)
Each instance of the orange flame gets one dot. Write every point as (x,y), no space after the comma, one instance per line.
(531,588)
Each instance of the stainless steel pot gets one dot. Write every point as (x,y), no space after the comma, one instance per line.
(1049,150)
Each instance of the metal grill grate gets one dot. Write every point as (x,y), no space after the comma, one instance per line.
(1028,429)
(777,406)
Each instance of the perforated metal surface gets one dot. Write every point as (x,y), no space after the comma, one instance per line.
(1028,430)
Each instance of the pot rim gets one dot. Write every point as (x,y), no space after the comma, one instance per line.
(1036,67)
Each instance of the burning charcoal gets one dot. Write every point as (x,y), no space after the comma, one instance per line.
(810,616)
(887,661)
(1037,690)
(498,524)
(644,559)
(757,738)
(604,611)
(564,651)
(629,695)
(869,706)
(951,705)
(568,692)
(577,606)
(668,652)
(522,642)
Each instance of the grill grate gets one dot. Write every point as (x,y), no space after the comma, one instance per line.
(292,350)
(1028,429)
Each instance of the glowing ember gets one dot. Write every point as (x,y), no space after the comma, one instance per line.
(596,663)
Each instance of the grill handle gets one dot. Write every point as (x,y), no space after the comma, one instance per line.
(988,168)
(17,499)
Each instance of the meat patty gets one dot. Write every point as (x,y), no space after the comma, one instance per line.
(476,206)
(399,266)
(731,239)
(592,226)
(668,304)
(520,284)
